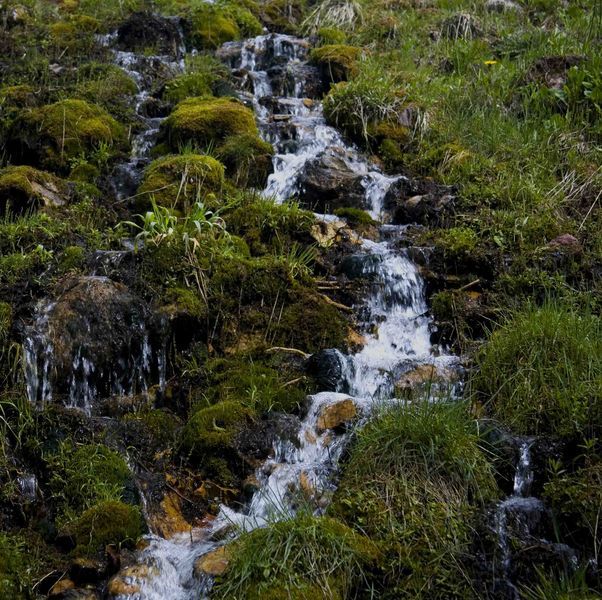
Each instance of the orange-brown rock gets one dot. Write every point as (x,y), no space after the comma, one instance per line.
(213,563)
(337,414)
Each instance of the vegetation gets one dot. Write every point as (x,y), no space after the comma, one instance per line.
(492,110)
(541,373)
(298,558)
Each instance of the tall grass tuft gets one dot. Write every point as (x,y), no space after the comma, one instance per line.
(541,371)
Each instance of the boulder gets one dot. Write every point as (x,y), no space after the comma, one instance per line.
(360,265)
(167,520)
(461,26)
(334,415)
(146,30)
(60,587)
(424,375)
(327,367)
(23,189)
(328,183)
(501,6)
(419,201)
(213,563)
(257,440)
(89,343)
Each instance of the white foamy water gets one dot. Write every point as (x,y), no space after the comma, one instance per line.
(302,470)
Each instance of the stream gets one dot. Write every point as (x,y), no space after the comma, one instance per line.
(396,302)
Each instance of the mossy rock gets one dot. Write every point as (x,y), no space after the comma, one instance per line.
(331,36)
(212,431)
(214,24)
(207,122)
(337,62)
(107,523)
(57,133)
(25,189)
(109,87)
(178,181)
(283,16)
(248,159)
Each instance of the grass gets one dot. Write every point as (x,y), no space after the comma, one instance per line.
(415,480)
(541,371)
(299,558)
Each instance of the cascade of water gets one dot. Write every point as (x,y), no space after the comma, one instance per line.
(396,308)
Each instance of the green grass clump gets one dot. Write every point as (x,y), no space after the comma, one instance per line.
(301,558)
(416,477)
(355,216)
(15,575)
(541,371)
(85,475)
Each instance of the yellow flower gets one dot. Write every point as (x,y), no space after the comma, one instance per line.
(490,62)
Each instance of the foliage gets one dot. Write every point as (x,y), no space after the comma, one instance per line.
(15,566)
(540,371)
(416,476)
(296,557)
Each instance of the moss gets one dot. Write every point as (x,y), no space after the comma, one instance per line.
(297,557)
(186,86)
(251,383)
(248,159)
(355,216)
(208,122)
(331,36)
(84,173)
(212,430)
(72,259)
(152,429)
(457,242)
(107,523)
(109,87)
(57,133)
(185,301)
(338,62)
(178,181)
(213,25)
(311,324)
(283,16)
(23,189)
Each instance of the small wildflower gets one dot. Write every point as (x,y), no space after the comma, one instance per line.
(490,62)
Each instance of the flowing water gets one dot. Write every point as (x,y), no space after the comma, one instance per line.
(395,321)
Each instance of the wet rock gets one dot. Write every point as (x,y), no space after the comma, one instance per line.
(146,30)
(129,581)
(213,563)
(297,80)
(419,201)
(501,6)
(360,265)
(325,233)
(257,441)
(94,341)
(461,26)
(552,71)
(167,519)
(60,587)
(424,375)
(327,368)
(337,414)
(328,183)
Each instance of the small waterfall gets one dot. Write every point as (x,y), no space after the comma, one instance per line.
(302,473)
(126,176)
(72,367)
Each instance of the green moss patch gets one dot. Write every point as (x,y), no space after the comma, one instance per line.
(338,62)
(178,181)
(56,133)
